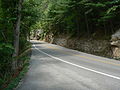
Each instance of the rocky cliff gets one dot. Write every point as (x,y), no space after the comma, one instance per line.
(88,45)
(94,46)
(115,43)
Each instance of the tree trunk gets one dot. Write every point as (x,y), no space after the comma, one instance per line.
(86,20)
(105,29)
(112,27)
(16,35)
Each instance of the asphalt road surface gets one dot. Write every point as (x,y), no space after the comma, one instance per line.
(54,67)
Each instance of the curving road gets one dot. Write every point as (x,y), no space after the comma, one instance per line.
(57,68)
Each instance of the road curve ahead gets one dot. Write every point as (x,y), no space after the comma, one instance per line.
(54,67)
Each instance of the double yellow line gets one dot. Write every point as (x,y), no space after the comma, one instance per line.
(85,57)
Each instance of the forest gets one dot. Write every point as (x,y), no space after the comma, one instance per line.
(76,18)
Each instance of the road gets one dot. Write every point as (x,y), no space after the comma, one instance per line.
(54,67)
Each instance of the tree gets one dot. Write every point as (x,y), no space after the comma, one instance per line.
(17,33)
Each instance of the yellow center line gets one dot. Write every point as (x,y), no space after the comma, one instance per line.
(90,58)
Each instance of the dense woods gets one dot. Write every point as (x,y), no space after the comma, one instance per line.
(73,17)
(79,17)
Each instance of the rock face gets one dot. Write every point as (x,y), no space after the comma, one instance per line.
(36,34)
(115,43)
(97,47)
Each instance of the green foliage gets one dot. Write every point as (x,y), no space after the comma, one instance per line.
(8,17)
(16,80)
(78,16)
(6,51)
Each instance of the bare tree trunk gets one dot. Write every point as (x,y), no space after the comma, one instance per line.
(16,35)
(112,27)
(78,27)
(86,20)
(105,31)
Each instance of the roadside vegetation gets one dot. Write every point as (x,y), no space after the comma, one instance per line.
(15,19)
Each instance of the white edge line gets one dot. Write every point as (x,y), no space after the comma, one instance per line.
(115,77)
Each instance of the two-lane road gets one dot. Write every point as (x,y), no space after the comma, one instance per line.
(57,68)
